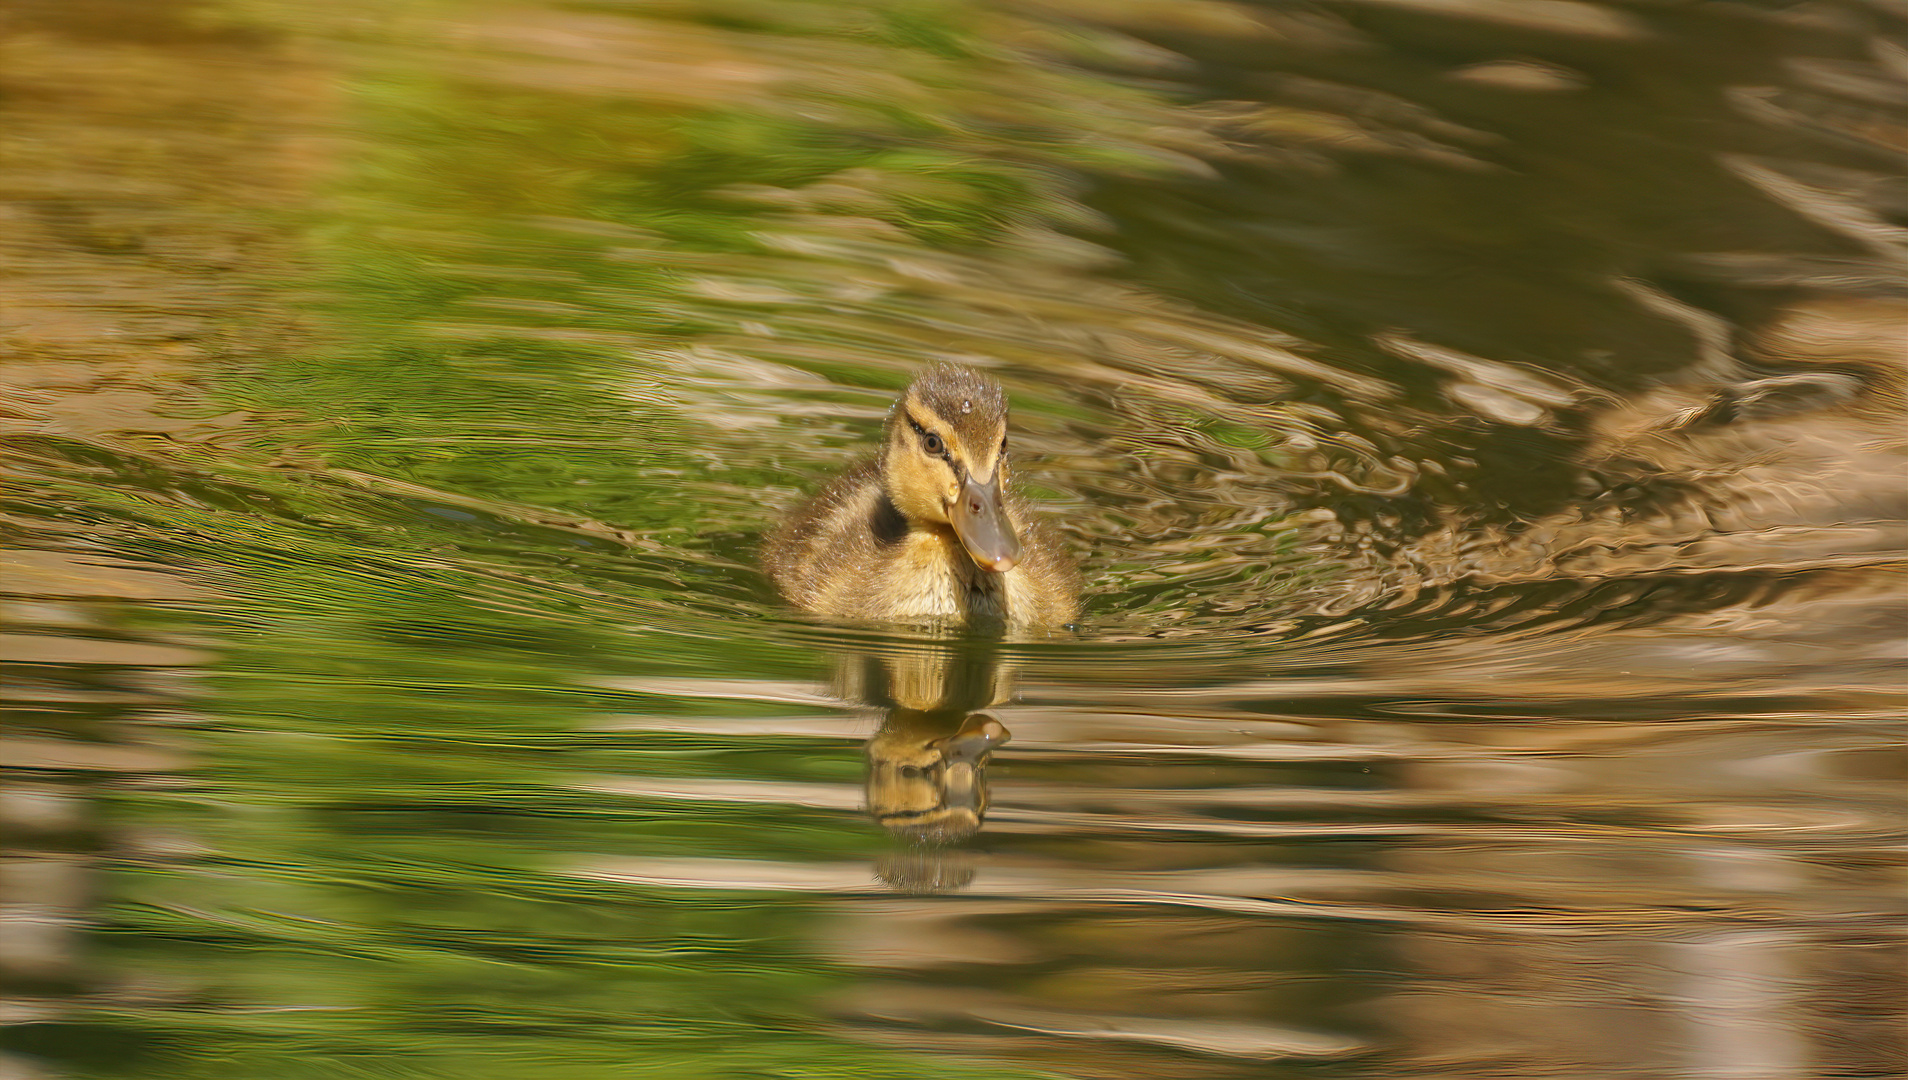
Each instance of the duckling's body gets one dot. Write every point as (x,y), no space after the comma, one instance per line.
(928,529)
(850,553)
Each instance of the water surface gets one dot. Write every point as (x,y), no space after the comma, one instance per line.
(1480,425)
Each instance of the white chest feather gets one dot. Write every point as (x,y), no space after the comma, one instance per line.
(932,577)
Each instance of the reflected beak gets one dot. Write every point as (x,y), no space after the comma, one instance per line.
(976,739)
(981,522)
(963,755)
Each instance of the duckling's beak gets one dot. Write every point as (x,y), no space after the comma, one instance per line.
(981,522)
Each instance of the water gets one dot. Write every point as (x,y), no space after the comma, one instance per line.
(1480,424)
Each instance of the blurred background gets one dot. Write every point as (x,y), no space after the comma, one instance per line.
(1480,422)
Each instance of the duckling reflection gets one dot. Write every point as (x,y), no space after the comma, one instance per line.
(928,786)
(927,781)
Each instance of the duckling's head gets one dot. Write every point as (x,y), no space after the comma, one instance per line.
(944,461)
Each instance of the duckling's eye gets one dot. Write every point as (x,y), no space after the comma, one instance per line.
(932,444)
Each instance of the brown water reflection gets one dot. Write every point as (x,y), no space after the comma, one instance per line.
(1553,862)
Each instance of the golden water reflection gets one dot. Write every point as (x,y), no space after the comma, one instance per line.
(1487,859)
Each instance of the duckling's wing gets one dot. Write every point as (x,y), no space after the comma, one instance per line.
(827,541)
(1049,567)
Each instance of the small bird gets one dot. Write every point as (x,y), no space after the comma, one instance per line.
(928,529)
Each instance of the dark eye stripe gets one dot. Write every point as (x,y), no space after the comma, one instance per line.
(929,440)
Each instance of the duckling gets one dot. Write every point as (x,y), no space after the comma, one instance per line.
(928,528)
